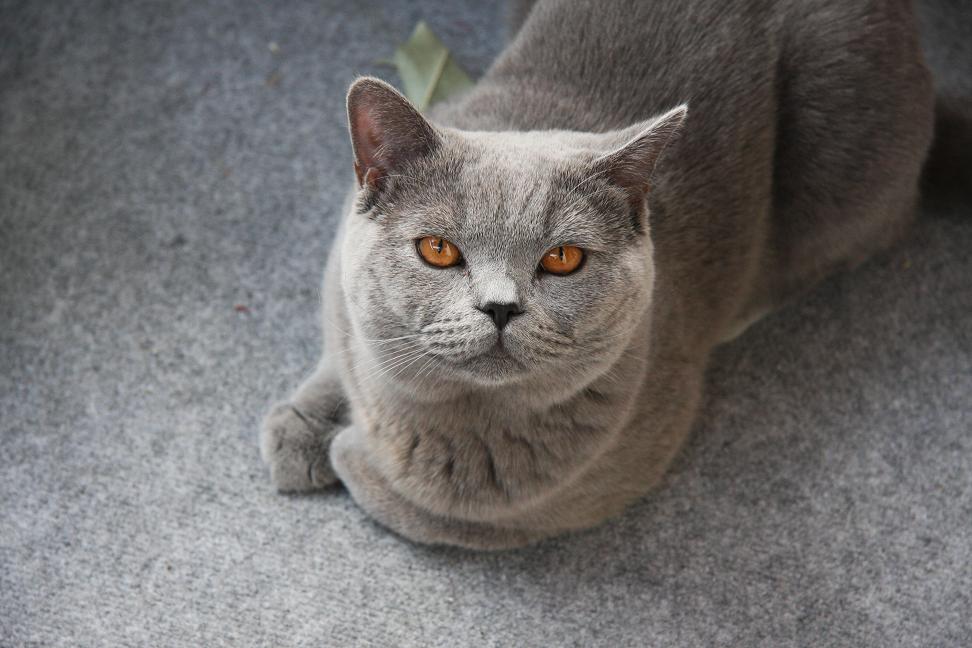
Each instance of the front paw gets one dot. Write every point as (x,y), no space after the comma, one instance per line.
(296,449)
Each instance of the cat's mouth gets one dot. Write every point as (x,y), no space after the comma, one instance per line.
(494,366)
(496,353)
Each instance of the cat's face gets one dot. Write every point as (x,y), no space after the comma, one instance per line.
(492,258)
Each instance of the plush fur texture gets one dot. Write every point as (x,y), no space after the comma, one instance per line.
(946,29)
(712,158)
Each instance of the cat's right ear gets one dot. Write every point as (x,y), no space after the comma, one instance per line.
(386,131)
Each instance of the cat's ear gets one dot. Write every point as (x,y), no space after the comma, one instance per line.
(386,131)
(631,165)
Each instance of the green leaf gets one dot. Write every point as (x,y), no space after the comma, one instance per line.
(427,70)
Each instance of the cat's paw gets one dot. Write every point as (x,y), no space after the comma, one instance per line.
(296,449)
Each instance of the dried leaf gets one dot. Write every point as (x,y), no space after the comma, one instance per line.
(428,72)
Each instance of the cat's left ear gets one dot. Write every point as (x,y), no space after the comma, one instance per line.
(631,165)
(387,132)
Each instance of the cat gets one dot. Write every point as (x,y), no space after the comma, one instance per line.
(526,284)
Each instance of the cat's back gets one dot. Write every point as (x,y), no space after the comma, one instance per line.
(593,65)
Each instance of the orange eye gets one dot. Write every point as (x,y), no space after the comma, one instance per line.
(439,252)
(562,260)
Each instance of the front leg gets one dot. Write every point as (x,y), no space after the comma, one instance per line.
(372,492)
(296,434)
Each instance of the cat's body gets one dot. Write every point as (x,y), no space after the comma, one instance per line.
(807,125)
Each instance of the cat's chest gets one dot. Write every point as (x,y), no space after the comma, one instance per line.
(477,453)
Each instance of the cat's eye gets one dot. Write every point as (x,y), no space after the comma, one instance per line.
(562,260)
(438,252)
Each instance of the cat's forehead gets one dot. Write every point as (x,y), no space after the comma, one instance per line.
(512,188)
(513,174)
(523,154)
(492,200)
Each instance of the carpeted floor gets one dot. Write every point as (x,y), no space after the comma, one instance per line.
(169,182)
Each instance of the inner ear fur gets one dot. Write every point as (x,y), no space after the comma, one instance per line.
(387,132)
(630,166)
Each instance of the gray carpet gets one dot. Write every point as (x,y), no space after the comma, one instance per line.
(168,190)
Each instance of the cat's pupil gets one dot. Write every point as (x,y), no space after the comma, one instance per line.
(438,246)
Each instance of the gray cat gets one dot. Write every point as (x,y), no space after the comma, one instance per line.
(526,287)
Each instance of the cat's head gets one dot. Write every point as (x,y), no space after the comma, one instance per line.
(493,258)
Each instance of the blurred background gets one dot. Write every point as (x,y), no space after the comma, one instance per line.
(170,178)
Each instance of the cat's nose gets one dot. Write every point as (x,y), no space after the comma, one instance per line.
(501,313)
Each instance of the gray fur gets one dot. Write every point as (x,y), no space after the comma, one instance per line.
(807,125)
(946,29)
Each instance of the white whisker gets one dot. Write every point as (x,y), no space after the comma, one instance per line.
(427,367)
(370,363)
(403,362)
(406,366)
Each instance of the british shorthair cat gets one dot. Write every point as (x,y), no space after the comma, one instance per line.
(527,283)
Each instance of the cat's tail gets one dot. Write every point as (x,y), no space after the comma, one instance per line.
(946,34)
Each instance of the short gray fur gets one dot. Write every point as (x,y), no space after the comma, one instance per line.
(712,159)
(151,178)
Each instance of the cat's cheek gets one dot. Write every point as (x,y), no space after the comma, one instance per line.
(578,288)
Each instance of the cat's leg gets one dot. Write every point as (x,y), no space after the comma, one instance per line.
(373,493)
(296,434)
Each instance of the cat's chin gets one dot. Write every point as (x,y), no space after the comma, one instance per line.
(493,368)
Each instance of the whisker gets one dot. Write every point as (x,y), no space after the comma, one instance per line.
(370,363)
(391,367)
(364,339)
(426,370)
(382,346)
(405,367)
(392,363)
